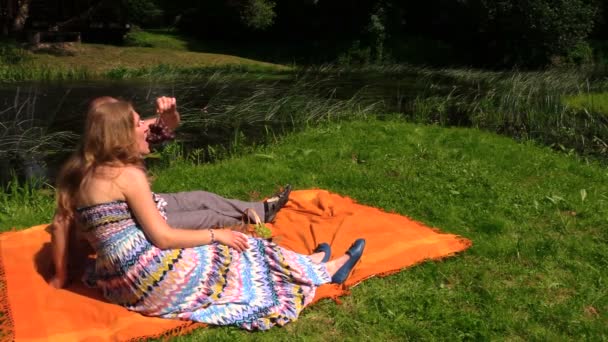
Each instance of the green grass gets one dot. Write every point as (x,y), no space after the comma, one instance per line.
(592,102)
(158,39)
(25,204)
(150,54)
(538,266)
(524,105)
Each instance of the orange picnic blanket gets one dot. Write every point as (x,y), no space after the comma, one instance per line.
(33,311)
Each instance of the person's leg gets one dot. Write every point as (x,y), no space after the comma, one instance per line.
(202,209)
(200,219)
(275,203)
(203,200)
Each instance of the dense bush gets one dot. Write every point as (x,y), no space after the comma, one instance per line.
(11,53)
(495,33)
(145,13)
(258,14)
(480,33)
(532,32)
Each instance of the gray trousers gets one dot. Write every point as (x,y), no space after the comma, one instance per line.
(202,209)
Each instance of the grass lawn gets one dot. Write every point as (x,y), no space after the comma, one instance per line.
(98,59)
(538,266)
(149,51)
(594,102)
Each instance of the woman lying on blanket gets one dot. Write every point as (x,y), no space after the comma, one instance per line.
(215,276)
(191,209)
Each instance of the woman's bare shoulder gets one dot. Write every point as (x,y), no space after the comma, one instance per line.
(101,186)
(132,178)
(130,172)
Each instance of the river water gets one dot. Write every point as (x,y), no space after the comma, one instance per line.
(40,121)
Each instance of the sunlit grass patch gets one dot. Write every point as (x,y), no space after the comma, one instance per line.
(24,204)
(97,61)
(101,58)
(536,263)
(592,102)
(157,39)
(537,220)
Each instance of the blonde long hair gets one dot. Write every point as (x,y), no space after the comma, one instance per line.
(108,140)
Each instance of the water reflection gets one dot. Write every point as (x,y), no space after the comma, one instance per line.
(213,109)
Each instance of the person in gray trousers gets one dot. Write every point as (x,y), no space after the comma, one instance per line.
(202,209)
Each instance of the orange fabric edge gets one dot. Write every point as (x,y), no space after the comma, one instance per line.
(7,326)
(180,330)
(334,292)
(330,291)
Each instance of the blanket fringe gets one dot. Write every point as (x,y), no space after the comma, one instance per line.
(7,325)
(182,329)
(466,243)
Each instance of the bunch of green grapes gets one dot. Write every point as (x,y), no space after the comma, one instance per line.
(262,231)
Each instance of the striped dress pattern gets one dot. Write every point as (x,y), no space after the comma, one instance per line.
(265,285)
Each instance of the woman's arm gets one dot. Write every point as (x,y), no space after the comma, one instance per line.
(167,114)
(161,128)
(134,185)
(60,235)
(166,107)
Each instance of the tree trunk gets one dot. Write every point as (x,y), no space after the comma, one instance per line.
(21,15)
(7,12)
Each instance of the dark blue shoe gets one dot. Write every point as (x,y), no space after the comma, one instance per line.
(355,251)
(323,247)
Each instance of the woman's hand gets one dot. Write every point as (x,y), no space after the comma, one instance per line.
(231,238)
(166,108)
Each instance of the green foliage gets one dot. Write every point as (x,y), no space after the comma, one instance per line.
(600,52)
(378,35)
(504,33)
(12,54)
(218,19)
(356,55)
(580,54)
(532,32)
(418,50)
(258,14)
(145,13)
(371,50)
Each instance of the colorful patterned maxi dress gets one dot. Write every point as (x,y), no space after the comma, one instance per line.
(263,286)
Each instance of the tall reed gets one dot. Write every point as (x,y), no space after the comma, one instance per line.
(526,105)
(25,140)
(255,112)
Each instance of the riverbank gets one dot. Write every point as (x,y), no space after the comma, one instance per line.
(149,53)
(225,110)
(227,100)
(537,220)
